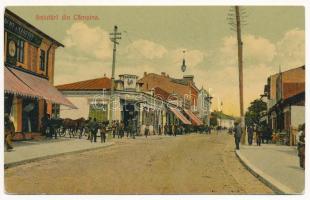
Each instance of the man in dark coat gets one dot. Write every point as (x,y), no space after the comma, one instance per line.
(94,129)
(9,132)
(250,134)
(237,134)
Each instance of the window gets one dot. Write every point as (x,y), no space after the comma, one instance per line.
(42,60)
(20,51)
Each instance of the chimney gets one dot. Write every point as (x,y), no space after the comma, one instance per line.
(189,78)
(163,74)
(145,73)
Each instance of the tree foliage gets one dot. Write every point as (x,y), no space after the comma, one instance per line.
(253,114)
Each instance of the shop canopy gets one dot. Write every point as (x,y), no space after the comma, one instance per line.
(178,113)
(21,83)
(193,117)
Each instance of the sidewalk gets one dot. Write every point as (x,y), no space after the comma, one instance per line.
(29,151)
(276,165)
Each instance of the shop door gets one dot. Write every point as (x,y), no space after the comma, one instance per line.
(30,115)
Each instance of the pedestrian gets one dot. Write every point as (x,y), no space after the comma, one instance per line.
(93,130)
(134,128)
(122,129)
(9,132)
(301,146)
(250,134)
(147,129)
(174,131)
(129,127)
(44,121)
(159,129)
(237,134)
(113,128)
(258,135)
(103,130)
(166,129)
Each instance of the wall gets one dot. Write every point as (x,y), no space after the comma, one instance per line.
(297,115)
(83,108)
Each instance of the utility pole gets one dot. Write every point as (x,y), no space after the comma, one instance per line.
(240,64)
(236,26)
(114,37)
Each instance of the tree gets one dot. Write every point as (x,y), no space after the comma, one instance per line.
(252,116)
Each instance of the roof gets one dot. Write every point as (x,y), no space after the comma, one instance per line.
(291,89)
(163,94)
(92,84)
(170,85)
(24,84)
(35,29)
(221,115)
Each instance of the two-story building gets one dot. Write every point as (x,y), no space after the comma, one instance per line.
(29,57)
(285,92)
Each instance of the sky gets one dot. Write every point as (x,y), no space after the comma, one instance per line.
(153,39)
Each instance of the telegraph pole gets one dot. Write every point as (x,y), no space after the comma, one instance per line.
(240,63)
(114,37)
(236,26)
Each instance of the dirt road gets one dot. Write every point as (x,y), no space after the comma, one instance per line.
(191,164)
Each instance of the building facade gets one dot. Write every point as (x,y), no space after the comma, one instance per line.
(285,93)
(29,57)
(204,105)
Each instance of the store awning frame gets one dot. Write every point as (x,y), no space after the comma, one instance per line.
(193,117)
(23,84)
(178,113)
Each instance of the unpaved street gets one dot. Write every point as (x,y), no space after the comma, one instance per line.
(191,164)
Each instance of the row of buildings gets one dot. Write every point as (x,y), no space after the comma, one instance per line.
(154,99)
(284,94)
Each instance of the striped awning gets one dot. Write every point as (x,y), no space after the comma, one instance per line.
(193,117)
(21,83)
(178,113)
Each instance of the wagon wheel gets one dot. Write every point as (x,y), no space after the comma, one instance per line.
(61,131)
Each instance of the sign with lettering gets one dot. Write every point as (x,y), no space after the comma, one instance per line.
(19,30)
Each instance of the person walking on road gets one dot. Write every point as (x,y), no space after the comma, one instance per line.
(94,130)
(237,134)
(9,131)
(258,135)
(103,132)
(250,134)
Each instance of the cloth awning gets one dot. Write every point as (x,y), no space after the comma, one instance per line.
(178,113)
(193,117)
(21,83)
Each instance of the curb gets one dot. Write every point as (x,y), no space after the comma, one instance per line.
(14,164)
(273,184)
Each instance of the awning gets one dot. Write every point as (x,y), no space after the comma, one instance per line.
(194,118)
(21,83)
(180,115)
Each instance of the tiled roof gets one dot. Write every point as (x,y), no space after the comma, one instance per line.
(93,84)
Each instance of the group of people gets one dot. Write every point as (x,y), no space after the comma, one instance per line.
(260,134)
(119,128)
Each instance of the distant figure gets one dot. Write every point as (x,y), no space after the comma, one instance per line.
(159,129)
(237,134)
(44,122)
(250,134)
(93,130)
(147,129)
(166,128)
(258,135)
(9,132)
(113,128)
(103,132)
